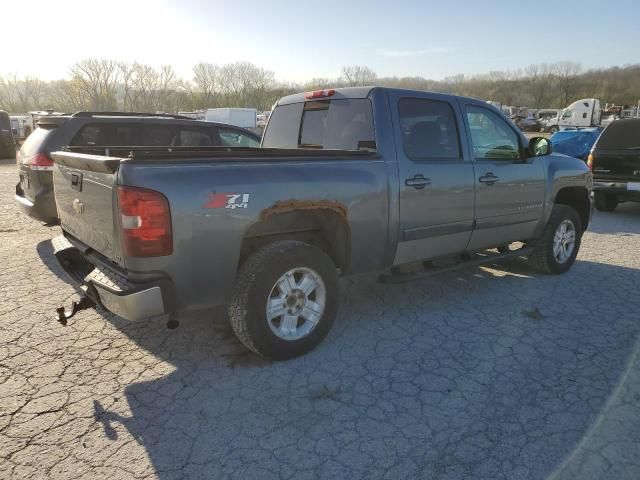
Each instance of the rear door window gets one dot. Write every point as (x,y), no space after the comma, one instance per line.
(158,135)
(429,129)
(621,134)
(192,137)
(107,134)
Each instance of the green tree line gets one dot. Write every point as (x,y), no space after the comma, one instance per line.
(108,85)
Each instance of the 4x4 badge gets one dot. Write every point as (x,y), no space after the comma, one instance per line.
(227,200)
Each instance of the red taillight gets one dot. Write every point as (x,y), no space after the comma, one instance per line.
(320,94)
(41,162)
(145,220)
(590,161)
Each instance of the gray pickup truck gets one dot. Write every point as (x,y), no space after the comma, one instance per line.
(346,181)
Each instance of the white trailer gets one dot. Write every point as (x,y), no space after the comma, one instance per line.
(240,117)
(585,112)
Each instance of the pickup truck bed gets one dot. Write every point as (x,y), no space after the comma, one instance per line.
(348,181)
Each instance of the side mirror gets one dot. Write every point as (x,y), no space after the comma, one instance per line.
(539,146)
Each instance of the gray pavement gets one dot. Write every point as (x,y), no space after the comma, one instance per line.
(496,373)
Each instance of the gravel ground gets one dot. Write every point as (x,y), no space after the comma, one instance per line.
(490,373)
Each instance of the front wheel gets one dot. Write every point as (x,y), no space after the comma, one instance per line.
(285,299)
(556,249)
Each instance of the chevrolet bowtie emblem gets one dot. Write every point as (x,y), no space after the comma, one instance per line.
(78,206)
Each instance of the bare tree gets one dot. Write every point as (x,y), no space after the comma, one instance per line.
(9,99)
(540,81)
(126,80)
(98,79)
(206,77)
(358,75)
(567,74)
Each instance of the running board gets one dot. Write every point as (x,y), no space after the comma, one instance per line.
(468,260)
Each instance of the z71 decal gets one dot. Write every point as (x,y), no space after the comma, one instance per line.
(227,200)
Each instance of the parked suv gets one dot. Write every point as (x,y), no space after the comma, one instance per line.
(7,147)
(34,191)
(615,162)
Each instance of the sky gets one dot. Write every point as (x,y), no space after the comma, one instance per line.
(302,40)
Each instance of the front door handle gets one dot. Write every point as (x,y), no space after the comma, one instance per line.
(488,178)
(418,182)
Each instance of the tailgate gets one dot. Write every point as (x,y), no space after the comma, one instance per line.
(85,195)
(616,164)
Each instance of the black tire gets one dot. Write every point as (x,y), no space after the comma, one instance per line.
(255,281)
(554,129)
(543,258)
(605,202)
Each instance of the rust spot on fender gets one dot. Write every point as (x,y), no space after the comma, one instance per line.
(284,206)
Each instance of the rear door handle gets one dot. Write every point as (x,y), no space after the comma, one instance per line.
(488,178)
(418,182)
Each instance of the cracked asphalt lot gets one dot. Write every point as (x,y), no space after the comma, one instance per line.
(494,373)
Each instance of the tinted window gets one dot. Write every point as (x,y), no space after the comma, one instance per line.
(158,135)
(337,124)
(192,137)
(35,142)
(284,126)
(122,135)
(107,134)
(491,135)
(429,129)
(621,134)
(234,138)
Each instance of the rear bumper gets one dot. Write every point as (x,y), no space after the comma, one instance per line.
(618,188)
(110,288)
(43,206)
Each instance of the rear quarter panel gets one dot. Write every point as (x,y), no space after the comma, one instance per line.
(208,231)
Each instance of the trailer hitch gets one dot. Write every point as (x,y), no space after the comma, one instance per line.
(65,314)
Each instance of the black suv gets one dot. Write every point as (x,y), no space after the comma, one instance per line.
(34,191)
(615,162)
(7,147)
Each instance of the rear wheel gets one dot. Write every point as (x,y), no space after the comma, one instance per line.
(605,202)
(556,249)
(554,129)
(285,299)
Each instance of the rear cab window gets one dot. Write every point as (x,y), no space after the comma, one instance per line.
(621,135)
(340,124)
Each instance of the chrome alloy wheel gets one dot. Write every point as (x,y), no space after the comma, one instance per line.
(564,241)
(296,303)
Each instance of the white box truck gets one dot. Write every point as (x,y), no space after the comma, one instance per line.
(240,117)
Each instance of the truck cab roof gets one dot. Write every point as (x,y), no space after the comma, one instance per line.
(361,92)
